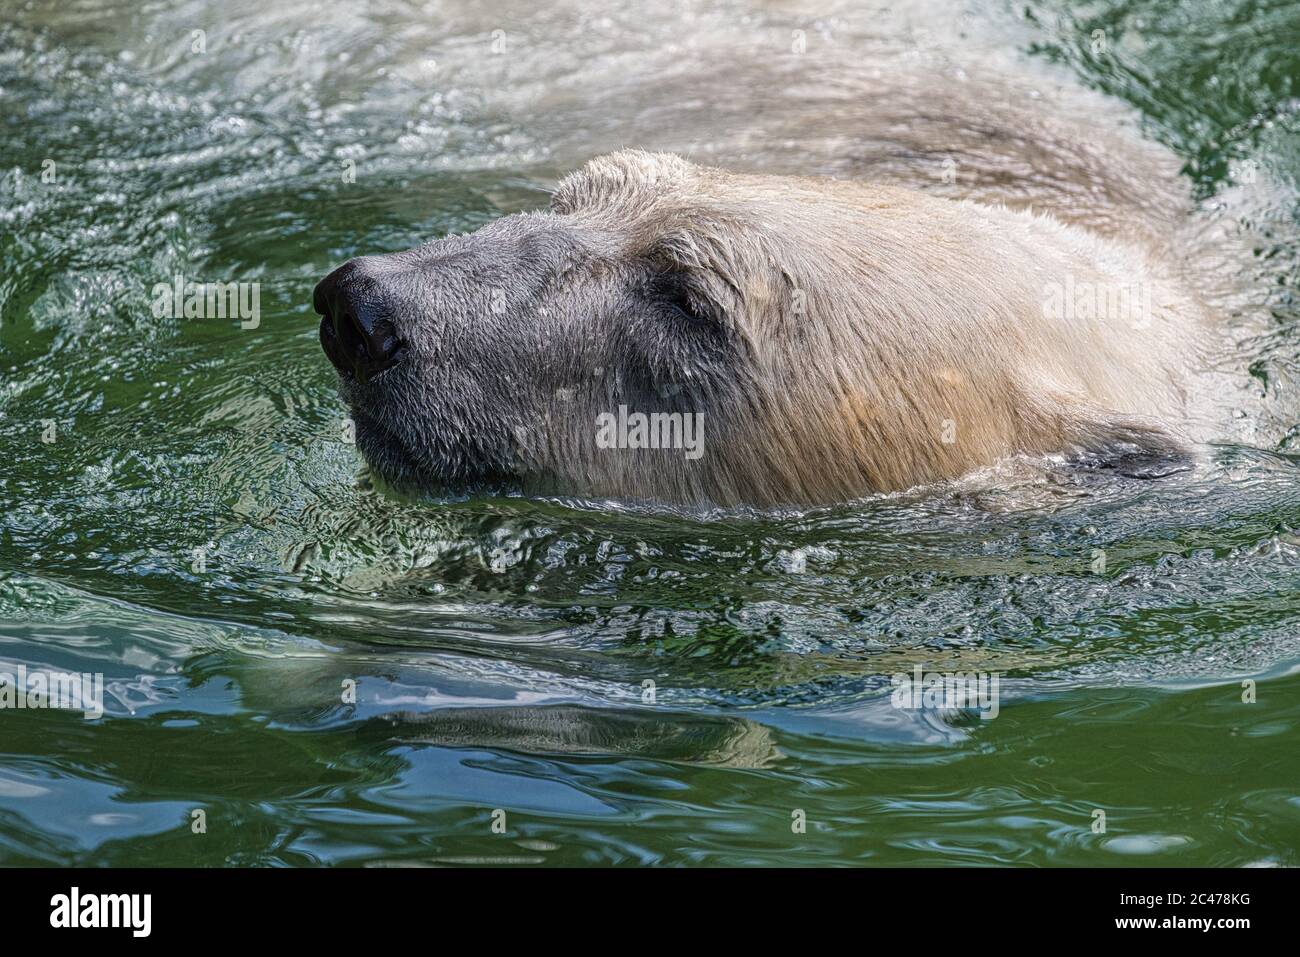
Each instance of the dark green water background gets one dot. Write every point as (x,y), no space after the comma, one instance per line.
(500,646)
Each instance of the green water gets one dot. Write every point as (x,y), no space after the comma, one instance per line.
(501,648)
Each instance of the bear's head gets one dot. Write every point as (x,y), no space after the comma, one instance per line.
(672,332)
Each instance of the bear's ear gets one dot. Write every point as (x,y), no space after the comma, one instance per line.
(630,181)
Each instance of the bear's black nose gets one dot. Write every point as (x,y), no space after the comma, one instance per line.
(358,333)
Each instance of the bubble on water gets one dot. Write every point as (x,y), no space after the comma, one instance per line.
(1142,844)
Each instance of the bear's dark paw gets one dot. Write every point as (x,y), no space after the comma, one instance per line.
(1129,447)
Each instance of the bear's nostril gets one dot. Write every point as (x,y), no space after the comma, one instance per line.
(351,336)
(361,337)
(367,342)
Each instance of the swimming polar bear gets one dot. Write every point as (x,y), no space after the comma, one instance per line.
(819,340)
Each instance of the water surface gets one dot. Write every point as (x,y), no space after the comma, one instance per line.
(627,685)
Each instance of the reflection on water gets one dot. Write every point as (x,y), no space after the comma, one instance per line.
(557,729)
(628,685)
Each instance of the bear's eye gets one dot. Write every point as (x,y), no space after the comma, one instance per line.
(673,293)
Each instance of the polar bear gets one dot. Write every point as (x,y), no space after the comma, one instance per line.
(680,333)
